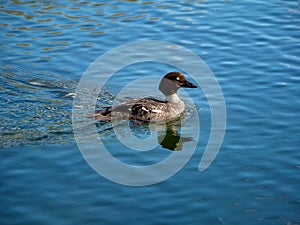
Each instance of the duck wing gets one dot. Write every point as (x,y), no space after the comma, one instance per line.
(149,109)
(139,109)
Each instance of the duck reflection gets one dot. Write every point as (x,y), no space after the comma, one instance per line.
(169,135)
(171,139)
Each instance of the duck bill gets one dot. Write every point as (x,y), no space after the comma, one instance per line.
(188,84)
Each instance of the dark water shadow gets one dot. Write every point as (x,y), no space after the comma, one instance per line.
(172,139)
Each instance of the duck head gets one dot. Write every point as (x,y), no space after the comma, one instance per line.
(172,81)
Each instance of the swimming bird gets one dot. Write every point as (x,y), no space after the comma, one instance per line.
(150,109)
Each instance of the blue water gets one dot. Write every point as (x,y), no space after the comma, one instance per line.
(252,47)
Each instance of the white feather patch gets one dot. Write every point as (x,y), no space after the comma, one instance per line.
(156,110)
(143,108)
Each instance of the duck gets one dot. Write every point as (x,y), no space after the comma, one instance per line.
(146,110)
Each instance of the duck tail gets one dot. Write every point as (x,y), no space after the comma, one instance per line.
(112,113)
(103,115)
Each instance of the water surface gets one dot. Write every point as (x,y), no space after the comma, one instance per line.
(251,46)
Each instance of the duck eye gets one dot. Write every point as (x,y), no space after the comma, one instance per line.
(178,78)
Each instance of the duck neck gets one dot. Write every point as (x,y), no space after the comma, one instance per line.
(173,98)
